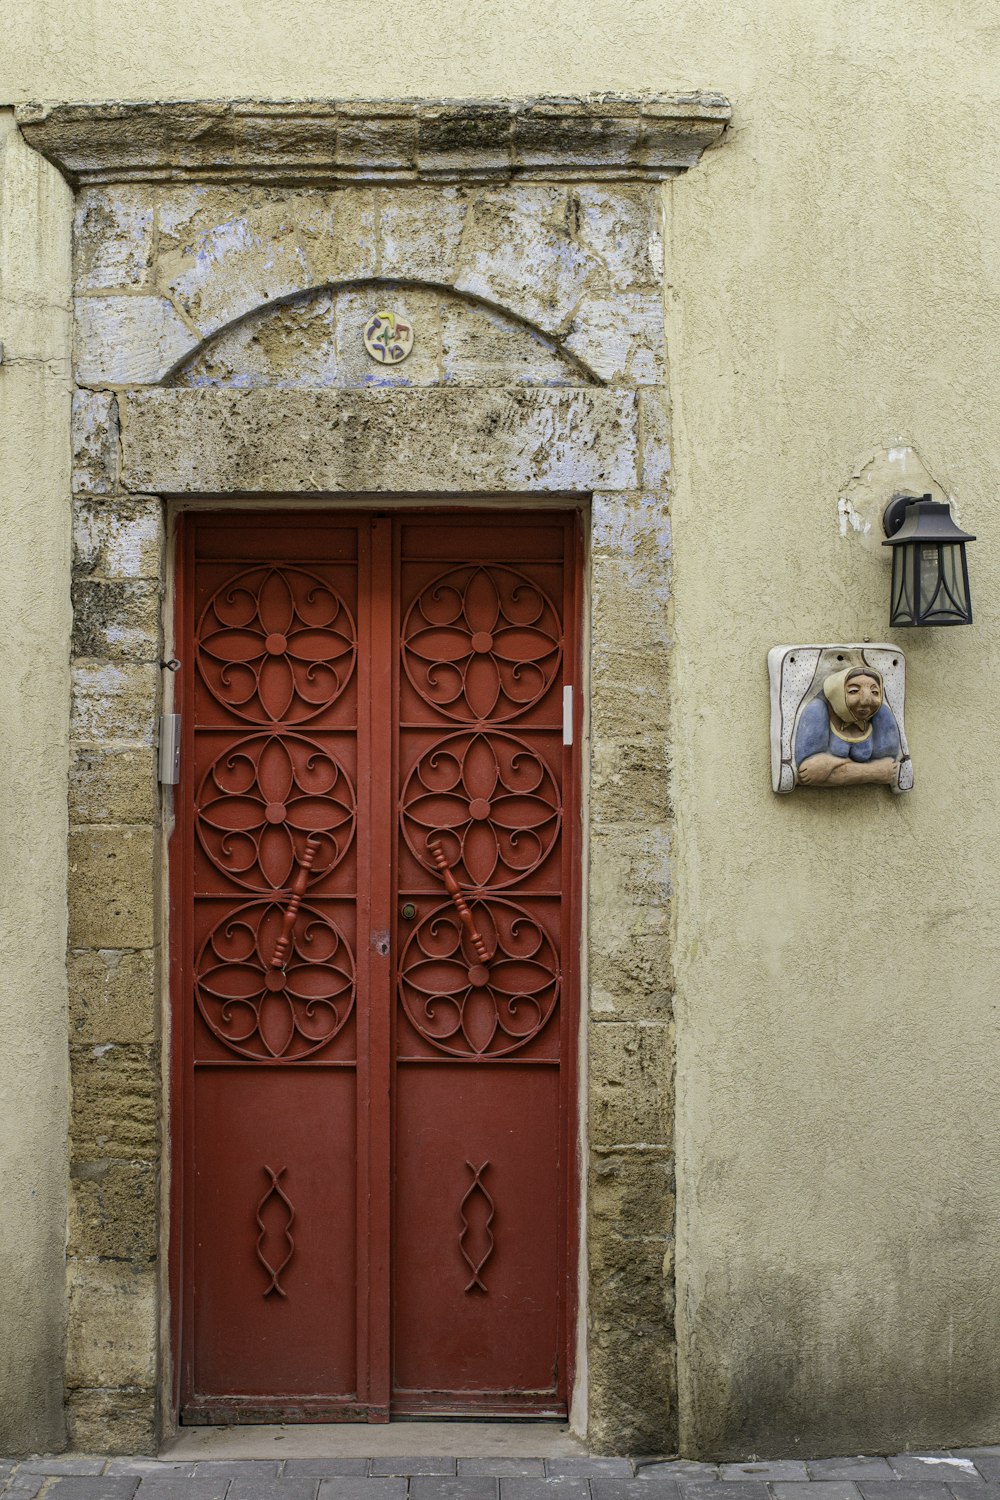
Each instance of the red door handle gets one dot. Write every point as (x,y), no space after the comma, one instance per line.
(468,922)
(297,890)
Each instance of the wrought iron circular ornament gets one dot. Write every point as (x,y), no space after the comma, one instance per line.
(388,338)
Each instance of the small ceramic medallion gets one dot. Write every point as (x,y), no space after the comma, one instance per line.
(387,338)
(837,717)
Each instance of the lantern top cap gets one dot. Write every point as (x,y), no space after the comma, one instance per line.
(908,518)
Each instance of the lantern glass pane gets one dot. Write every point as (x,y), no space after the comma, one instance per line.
(901,610)
(946,602)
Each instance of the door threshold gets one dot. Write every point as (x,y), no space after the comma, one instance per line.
(397,1439)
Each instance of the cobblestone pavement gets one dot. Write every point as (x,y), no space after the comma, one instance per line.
(959,1475)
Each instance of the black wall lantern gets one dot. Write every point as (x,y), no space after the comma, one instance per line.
(930,574)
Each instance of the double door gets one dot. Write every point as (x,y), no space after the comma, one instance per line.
(373,940)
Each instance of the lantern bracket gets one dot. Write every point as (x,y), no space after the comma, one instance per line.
(895,512)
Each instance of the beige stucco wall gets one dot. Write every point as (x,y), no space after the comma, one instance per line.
(833,285)
(34,707)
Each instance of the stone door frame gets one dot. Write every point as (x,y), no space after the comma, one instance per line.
(558,241)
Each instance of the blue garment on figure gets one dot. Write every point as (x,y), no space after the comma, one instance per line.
(815,735)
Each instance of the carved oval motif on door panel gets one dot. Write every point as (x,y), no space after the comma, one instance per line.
(482,643)
(260,800)
(276,645)
(470,1008)
(263,1012)
(490,800)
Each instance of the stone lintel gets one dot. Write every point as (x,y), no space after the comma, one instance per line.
(481,440)
(599,138)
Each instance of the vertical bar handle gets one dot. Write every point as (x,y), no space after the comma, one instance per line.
(296,891)
(451,885)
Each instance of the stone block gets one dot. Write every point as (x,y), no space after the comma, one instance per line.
(95,442)
(484,347)
(621,226)
(340,240)
(116,1105)
(633,526)
(631,1082)
(511,228)
(116,620)
(629,693)
(654,426)
(122,539)
(469,440)
(630,606)
(633,1403)
(420,308)
(225,251)
(114,703)
(420,233)
(630,973)
(113,237)
(112,1421)
(112,785)
(112,996)
(630,867)
(631,1286)
(377,136)
(620,337)
(114,1211)
(113,878)
(127,340)
(629,780)
(463,138)
(111,1339)
(287,346)
(632,1195)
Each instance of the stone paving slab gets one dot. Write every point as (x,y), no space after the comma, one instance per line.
(182,1487)
(966,1474)
(354,1487)
(815,1489)
(504,1468)
(639,1488)
(850,1468)
(326,1468)
(413,1467)
(780,1468)
(94,1487)
(943,1467)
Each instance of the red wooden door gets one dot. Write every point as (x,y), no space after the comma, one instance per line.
(373,881)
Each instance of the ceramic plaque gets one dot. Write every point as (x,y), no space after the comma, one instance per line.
(837,717)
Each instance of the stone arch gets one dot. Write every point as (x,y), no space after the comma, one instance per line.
(314,338)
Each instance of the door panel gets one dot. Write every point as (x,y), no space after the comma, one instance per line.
(373,885)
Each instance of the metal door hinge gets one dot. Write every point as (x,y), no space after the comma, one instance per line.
(169,766)
(567,716)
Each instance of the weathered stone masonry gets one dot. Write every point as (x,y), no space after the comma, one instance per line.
(225,259)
